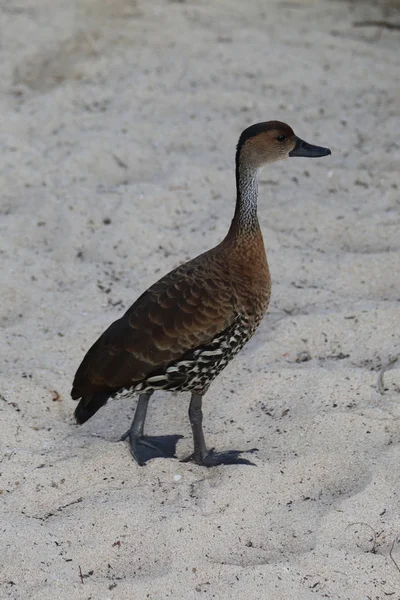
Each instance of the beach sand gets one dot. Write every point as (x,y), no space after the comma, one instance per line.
(118,129)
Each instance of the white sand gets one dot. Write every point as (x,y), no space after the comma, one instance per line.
(130,112)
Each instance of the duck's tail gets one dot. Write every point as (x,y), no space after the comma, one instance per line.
(89,405)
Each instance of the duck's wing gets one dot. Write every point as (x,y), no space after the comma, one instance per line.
(184,310)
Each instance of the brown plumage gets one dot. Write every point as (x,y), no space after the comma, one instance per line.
(186,327)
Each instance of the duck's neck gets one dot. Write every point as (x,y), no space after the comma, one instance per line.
(245,221)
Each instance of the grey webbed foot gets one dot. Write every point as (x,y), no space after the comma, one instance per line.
(145,447)
(212,459)
(201,455)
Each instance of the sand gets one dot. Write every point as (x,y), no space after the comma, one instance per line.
(118,127)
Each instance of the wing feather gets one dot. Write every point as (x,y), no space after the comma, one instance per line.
(182,311)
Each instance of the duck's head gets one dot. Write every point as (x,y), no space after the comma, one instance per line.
(267,142)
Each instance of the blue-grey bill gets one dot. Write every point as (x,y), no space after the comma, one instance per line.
(303,148)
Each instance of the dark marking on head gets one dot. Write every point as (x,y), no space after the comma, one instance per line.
(258,128)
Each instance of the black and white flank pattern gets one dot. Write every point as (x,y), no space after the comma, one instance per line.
(196,370)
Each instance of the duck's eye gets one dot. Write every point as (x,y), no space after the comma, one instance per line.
(281,137)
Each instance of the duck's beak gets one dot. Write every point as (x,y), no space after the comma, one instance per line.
(302,148)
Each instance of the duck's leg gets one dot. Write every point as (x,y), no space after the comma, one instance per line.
(144,447)
(201,455)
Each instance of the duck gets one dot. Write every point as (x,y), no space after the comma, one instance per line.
(184,330)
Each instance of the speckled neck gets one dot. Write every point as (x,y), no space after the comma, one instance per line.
(245,220)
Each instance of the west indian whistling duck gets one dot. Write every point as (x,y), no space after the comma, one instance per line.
(184,329)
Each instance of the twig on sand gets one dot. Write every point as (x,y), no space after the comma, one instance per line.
(80,574)
(373,549)
(381,24)
(380,385)
(391,555)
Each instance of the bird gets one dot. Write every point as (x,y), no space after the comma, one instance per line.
(184,330)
